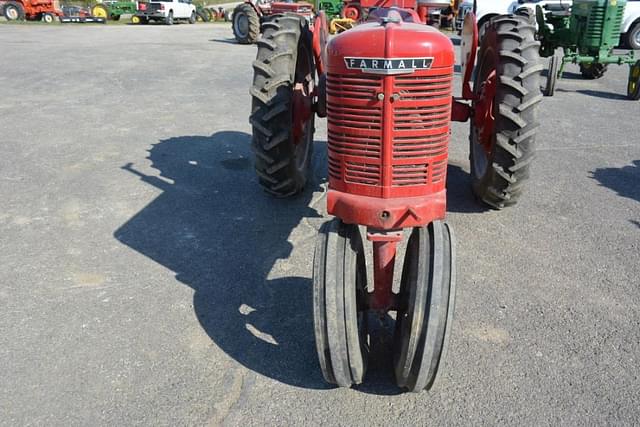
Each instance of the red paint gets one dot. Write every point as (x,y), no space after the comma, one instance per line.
(302,110)
(34,8)
(391,148)
(423,12)
(384,258)
(388,135)
(351,12)
(468,51)
(483,114)
(460,112)
(366,4)
(319,43)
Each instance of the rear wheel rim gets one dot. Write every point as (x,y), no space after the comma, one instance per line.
(12,13)
(304,79)
(636,37)
(242,24)
(480,154)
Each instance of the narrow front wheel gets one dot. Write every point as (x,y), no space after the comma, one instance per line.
(552,76)
(427,299)
(339,306)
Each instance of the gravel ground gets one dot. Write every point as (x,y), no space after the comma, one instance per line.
(146,279)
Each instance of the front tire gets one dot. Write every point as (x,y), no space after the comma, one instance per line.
(427,300)
(502,142)
(246,24)
(339,311)
(47,18)
(284,73)
(552,76)
(192,18)
(169,19)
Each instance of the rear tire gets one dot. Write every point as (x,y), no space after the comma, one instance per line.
(169,19)
(284,60)
(593,71)
(192,18)
(500,164)
(13,11)
(246,24)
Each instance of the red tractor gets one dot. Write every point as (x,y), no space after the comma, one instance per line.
(386,90)
(248,16)
(41,10)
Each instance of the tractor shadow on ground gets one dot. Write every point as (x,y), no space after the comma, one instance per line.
(228,41)
(606,95)
(221,235)
(460,198)
(566,75)
(597,94)
(623,181)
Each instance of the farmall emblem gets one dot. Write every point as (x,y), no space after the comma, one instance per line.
(388,65)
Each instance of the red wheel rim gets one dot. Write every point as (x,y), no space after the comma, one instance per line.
(352,12)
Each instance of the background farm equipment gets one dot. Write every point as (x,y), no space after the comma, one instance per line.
(32,10)
(332,8)
(112,10)
(248,16)
(386,90)
(79,15)
(587,31)
(218,13)
(204,14)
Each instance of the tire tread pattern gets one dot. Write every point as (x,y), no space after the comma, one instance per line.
(517,96)
(272,91)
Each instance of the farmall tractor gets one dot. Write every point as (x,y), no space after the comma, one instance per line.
(385,88)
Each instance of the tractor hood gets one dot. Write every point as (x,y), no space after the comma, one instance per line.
(390,46)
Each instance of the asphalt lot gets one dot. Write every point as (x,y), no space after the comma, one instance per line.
(146,279)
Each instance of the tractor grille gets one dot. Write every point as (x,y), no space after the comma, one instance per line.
(421,130)
(594,34)
(414,136)
(355,128)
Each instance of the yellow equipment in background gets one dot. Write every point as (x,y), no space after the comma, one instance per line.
(338,25)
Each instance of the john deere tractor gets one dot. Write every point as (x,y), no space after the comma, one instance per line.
(587,31)
(113,9)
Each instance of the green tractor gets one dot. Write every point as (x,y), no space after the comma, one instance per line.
(587,31)
(333,8)
(113,9)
